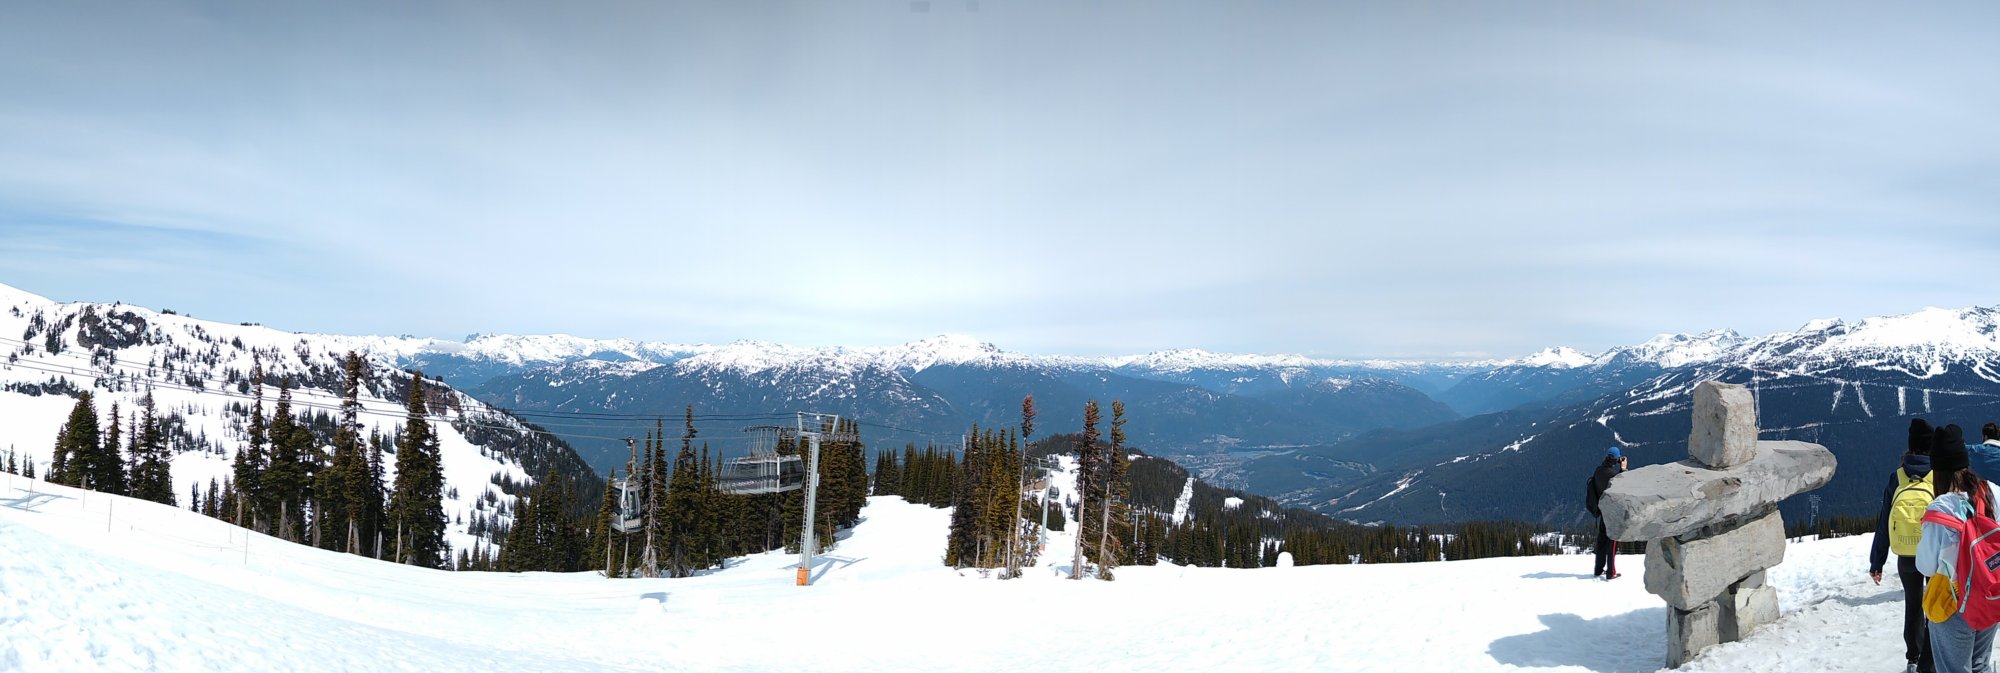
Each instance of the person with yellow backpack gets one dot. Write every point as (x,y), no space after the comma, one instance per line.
(1899,528)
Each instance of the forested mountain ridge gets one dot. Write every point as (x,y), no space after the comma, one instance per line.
(201,379)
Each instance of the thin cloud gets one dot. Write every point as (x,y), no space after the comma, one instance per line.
(1343,180)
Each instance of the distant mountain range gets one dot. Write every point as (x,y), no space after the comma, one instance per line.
(1852,386)
(1365,440)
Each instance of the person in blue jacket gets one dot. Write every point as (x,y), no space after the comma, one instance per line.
(1985,456)
(1916,465)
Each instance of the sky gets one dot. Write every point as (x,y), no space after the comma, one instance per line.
(1416,180)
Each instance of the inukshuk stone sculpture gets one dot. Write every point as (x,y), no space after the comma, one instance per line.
(1711,522)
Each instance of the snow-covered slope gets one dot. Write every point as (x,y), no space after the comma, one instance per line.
(89,582)
(198,372)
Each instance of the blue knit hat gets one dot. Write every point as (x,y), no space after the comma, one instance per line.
(1613,452)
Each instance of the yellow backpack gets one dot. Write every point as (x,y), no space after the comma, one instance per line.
(1906,512)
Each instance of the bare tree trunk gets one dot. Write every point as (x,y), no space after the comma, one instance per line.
(1104,534)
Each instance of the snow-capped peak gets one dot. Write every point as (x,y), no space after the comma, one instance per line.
(1560,357)
(944,349)
(1677,350)
(1179,360)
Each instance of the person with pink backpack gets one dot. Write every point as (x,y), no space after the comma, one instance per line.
(1960,553)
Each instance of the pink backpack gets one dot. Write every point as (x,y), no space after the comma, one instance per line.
(1978,585)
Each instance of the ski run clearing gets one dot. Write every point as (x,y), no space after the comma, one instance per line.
(90,582)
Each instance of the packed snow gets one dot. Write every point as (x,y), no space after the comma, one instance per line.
(100,583)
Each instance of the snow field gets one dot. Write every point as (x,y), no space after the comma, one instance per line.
(166,589)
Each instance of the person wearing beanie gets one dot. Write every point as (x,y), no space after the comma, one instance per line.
(1955,646)
(1984,457)
(1910,483)
(1606,549)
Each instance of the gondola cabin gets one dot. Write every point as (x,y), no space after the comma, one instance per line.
(628,518)
(762,473)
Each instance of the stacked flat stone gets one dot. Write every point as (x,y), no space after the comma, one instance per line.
(1711,522)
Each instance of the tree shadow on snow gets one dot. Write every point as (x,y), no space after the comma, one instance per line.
(1895,596)
(1554,576)
(726,564)
(1629,643)
(28,502)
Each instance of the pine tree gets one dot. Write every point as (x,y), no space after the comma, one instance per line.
(59,460)
(1113,509)
(683,506)
(602,536)
(377,504)
(102,475)
(152,474)
(211,504)
(1089,460)
(78,445)
(351,493)
(654,501)
(415,502)
(1017,546)
(286,479)
(250,462)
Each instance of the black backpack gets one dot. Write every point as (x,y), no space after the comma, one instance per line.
(1590,494)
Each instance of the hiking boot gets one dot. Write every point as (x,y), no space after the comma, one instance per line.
(1611,576)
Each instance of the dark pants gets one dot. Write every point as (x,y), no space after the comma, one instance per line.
(1607,552)
(1916,635)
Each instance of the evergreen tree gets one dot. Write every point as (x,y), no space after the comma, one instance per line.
(1089,461)
(602,536)
(886,479)
(102,477)
(1018,530)
(351,493)
(250,461)
(654,501)
(59,460)
(709,533)
(415,502)
(152,473)
(683,506)
(211,504)
(1114,511)
(78,446)
(377,504)
(285,480)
